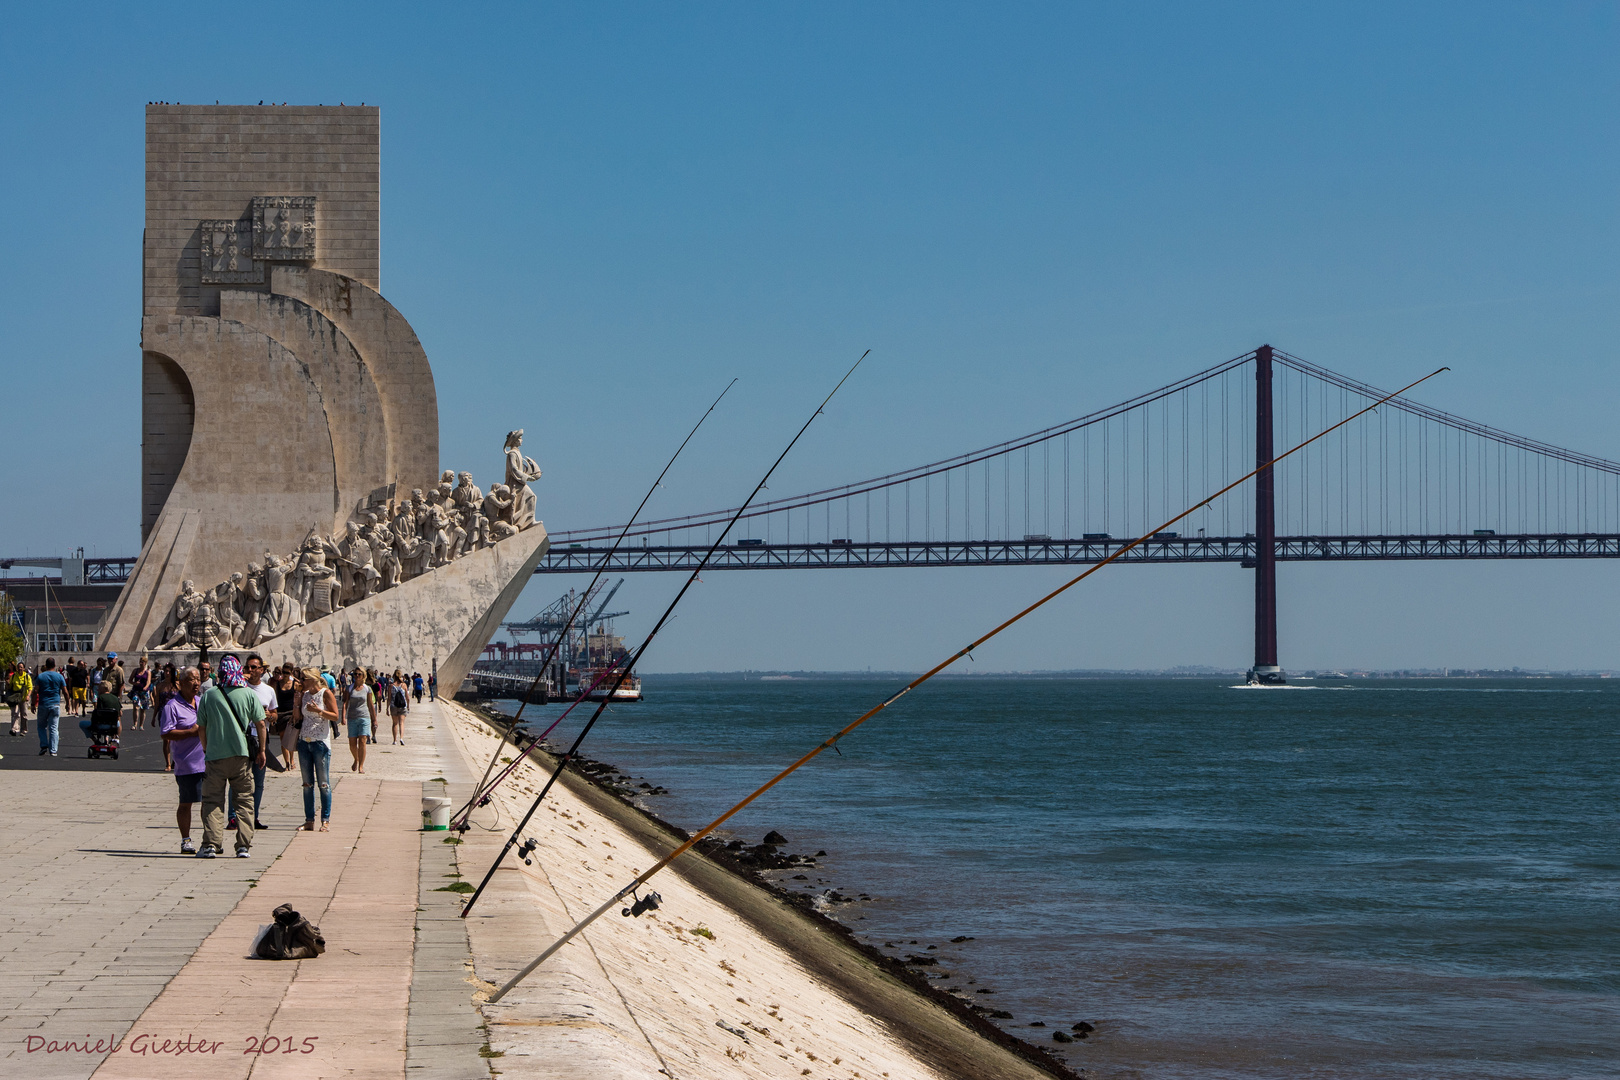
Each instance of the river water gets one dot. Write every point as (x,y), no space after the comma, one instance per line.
(1384,879)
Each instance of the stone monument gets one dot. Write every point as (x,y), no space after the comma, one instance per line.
(289,418)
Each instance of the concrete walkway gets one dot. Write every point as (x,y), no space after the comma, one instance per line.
(115,939)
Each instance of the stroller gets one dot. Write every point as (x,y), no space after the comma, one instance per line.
(104,734)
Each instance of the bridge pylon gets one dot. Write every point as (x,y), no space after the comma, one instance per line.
(1265,672)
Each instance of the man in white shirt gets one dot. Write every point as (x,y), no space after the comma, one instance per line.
(254,671)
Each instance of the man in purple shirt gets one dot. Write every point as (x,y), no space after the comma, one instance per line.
(178,722)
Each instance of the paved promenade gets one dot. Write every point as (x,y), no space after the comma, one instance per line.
(114,938)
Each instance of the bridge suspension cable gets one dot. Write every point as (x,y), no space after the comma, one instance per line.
(1406,469)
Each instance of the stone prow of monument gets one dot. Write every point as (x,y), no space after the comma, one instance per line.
(281,393)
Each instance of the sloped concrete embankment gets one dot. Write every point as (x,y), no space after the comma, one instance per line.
(726,979)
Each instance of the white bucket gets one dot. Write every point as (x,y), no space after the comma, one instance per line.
(435,814)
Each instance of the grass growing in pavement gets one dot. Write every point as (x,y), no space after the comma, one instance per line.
(456,887)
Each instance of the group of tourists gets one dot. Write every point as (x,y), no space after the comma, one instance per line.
(216,727)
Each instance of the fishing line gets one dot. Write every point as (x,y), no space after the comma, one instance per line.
(562,763)
(642,878)
(483,799)
(480,793)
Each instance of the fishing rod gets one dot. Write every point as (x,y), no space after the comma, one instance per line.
(624,672)
(512,765)
(480,794)
(651,900)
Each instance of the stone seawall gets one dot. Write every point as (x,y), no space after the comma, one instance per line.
(724,979)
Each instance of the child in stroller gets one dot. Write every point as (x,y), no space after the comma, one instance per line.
(105,723)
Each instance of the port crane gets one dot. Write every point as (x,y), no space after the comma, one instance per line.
(549,623)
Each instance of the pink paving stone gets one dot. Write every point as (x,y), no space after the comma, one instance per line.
(358,883)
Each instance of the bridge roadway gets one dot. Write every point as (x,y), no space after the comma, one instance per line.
(578,558)
(568,558)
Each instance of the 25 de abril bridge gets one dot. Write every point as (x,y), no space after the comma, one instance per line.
(1405,481)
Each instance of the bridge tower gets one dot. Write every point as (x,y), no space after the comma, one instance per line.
(1265,670)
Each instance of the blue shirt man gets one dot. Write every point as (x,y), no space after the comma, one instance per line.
(51,688)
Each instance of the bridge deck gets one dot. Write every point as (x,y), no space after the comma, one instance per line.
(587,558)
(570,559)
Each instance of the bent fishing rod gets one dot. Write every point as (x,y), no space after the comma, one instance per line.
(651,899)
(480,793)
(624,672)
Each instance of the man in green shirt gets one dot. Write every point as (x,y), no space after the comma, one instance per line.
(225,714)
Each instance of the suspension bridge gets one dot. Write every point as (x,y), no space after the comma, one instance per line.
(1404,482)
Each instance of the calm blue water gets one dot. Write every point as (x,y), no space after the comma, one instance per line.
(1394,879)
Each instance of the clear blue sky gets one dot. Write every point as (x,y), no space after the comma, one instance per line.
(597,215)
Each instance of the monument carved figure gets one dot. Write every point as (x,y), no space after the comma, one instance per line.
(312,580)
(392,544)
(279,612)
(181,611)
(466,495)
(253,597)
(355,552)
(519,471)
(226,599)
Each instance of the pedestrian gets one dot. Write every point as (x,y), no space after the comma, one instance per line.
(106,705)
(206,670)
(51,688)
(140,692)
(362,709)
(433,686)
(177,721)
(19,688)
(254,670)
(384,685)
(115,673)
(398,703)
(168,684)
(329,679)
(93,683)
(417,686)
(77,680)
(227,715)
(286,706)
(317,712)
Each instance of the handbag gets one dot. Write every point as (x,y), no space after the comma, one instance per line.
(290,937)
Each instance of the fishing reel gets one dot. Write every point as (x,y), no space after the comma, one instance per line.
(643,904)
(526,848)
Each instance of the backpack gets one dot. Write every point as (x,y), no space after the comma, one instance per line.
(399,698)
(290,937)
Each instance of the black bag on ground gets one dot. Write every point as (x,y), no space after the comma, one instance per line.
(290,937)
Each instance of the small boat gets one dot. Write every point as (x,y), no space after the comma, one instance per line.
(629,690)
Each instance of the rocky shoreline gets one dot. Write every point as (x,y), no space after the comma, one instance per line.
(766,865)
